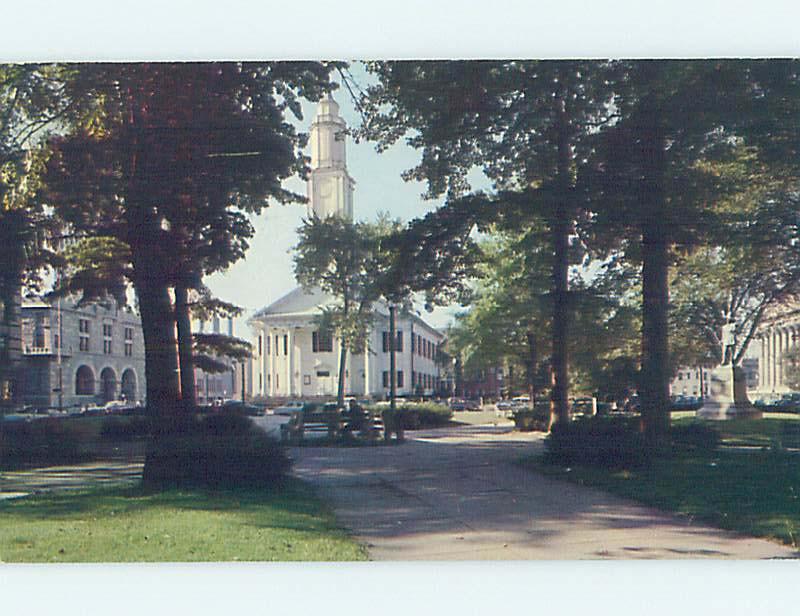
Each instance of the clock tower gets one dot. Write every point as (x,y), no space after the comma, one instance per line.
(330,187)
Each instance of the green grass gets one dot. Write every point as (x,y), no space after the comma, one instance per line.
(756,492)
(779,429)
(130,525)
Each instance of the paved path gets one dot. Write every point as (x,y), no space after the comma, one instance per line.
(455,494)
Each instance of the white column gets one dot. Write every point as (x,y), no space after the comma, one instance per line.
(262,361)
(289,358)
(270,363)
(762,362)
(781,349)
(773,357)
(367,364)
(297,366)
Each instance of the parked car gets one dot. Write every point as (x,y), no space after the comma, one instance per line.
(473,404)
(458,404)
(586,406)
(505,405)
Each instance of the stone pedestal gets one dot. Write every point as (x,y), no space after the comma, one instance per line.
(727,395)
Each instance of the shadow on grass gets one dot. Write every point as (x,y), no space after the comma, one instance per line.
(288,504)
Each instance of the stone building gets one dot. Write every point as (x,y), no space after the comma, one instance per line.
(292,357)
(76,356)
(778,334)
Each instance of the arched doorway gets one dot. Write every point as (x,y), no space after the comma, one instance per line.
(128,385)
(108,384)
(84,381)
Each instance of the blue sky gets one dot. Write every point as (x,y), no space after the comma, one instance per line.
(266,273)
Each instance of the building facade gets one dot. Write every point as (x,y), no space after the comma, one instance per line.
(78,356)
(292,357)
(778,338)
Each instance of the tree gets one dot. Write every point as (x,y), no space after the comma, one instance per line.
(751,267)
(650,187)
(168,163)
(341,257)
(523,123)
(31,106)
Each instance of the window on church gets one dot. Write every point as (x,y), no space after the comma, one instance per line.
(259,346)
(285,344)
(266,345)
(277,339)
(385,342)
(322,342)
(385,379)
(399,344)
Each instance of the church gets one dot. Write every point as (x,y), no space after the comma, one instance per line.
(292,357)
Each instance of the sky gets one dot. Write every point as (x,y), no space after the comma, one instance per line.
(266,273)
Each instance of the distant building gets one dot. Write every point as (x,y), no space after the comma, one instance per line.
(691,382)
(778,334)
(226,385)
(76,356)
(486,382)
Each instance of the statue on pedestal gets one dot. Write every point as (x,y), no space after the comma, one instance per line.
(727,388)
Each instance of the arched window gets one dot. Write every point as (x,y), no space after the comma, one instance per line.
(108,383)
(84,381)
(128,385)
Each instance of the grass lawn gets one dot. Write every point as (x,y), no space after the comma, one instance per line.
(130,525)
(756,491)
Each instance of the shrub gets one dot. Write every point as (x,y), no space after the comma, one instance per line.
(697,436)
(125,428)
(218,451)
(38,443)
(529,420)
(596,441)
(416,415)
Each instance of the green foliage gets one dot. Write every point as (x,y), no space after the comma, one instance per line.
(530,420)
(597,442)
(341,257)
(126,428)
(219,451)
(209,348)
(44,442)
(419,415)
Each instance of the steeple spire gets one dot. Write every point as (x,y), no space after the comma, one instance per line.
(330,187)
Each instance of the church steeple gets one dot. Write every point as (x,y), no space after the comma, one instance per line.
(330,187)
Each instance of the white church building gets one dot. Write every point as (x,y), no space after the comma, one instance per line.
(292,358)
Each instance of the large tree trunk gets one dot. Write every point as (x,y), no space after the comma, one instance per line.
(655,374)
(560,228)
(655,344)
(185,351)
(161,365)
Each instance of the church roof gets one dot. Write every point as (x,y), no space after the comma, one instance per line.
(297,301)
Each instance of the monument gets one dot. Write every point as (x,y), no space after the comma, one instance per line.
(727,387)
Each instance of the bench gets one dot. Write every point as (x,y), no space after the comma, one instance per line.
(331,423)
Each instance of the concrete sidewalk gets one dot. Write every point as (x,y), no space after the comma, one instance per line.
(455,494)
